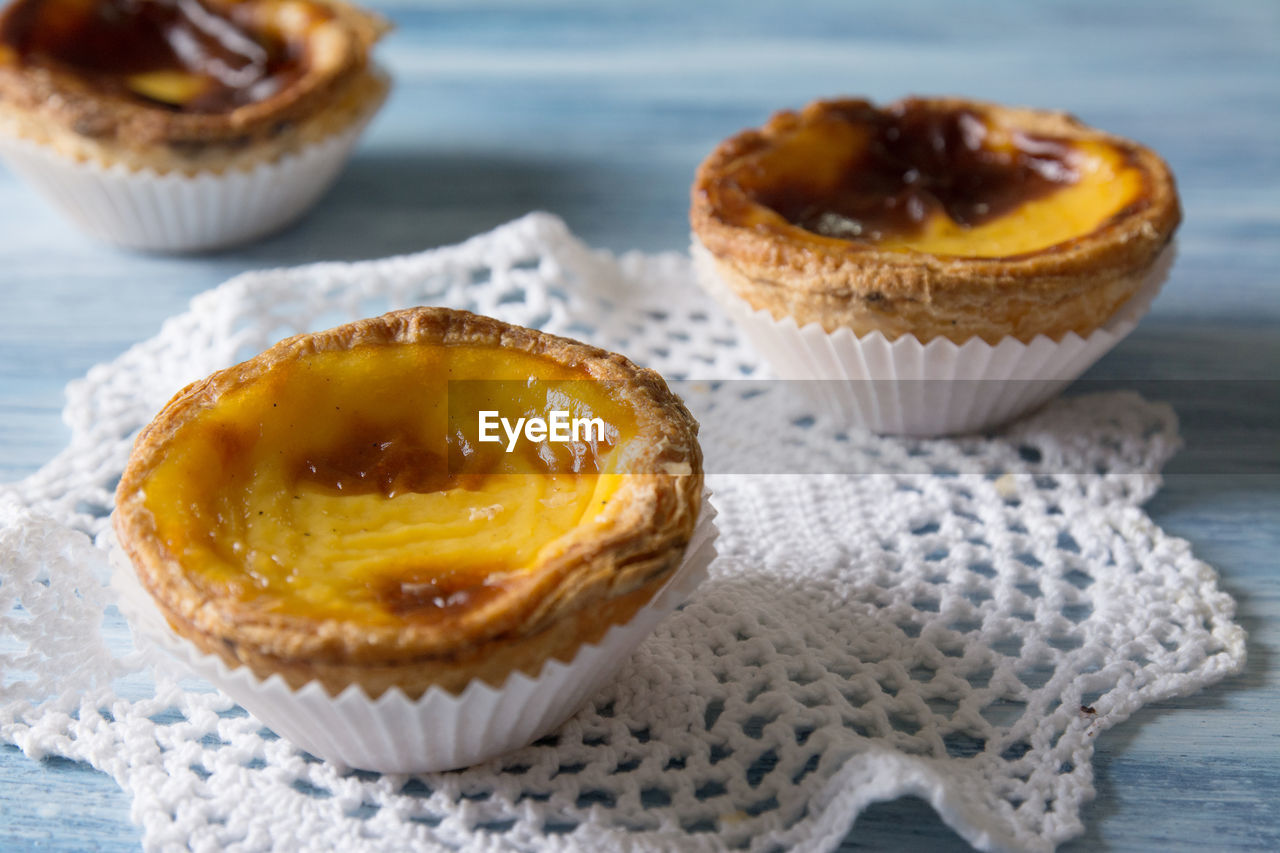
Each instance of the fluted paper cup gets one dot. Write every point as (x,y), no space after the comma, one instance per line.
(440,730)
(173,212)
(906,387)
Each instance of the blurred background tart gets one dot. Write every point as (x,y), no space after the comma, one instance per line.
(184,125)
(185,85)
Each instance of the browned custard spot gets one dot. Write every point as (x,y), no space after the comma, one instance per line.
(919,176)
(435,598)
(914,163)
(374,461)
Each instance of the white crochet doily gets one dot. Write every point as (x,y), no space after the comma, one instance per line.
(957,621)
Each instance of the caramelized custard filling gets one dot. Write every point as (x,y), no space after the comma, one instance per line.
(918,177)
(183,55)
(352,484)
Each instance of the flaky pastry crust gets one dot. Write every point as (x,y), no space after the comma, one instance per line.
(600,574)
(1074,286)
(338,88)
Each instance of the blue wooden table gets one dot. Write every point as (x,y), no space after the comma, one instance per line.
(600,112)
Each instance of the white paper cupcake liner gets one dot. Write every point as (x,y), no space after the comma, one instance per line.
(173,212)
(905,387)
(439,731)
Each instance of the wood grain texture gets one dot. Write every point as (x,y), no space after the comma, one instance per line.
(601,111)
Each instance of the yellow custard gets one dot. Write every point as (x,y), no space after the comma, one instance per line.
(353,483)
(920,179)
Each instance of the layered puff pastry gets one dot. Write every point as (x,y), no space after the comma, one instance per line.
(328,510)
(185,85)
(933,217)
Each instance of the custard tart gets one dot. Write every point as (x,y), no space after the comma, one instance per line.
(336,510)
(184,125)
(185,85)
(933,217)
